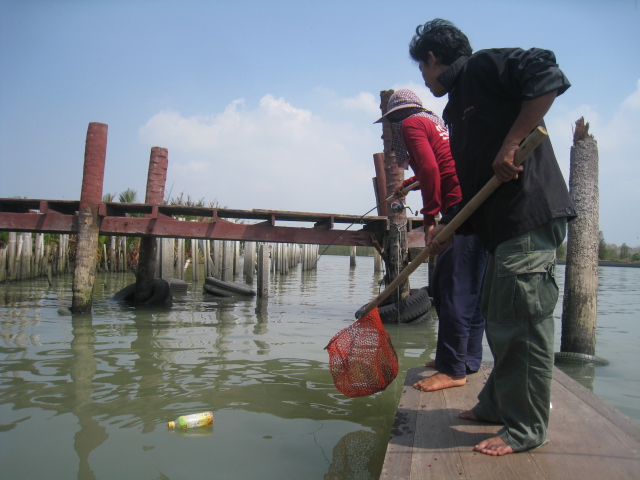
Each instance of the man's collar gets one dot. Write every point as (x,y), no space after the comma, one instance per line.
(448,78)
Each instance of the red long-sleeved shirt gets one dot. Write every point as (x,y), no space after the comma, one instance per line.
(431,161)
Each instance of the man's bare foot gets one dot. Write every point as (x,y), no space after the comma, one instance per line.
(430,363)
(493,446)
(439,381)
(468,415)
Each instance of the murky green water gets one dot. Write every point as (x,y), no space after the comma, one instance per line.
(89,396)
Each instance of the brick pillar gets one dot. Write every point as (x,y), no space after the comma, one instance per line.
(84,272)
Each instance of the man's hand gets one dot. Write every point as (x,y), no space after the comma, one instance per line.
(399,193)
(503,165)
(435,247)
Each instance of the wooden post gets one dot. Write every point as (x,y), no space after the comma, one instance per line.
(179,262)
(3,263)
(11,260)
(377,262)
(380,183)
(579,309)
(167,258)
(249,260)
(227,261)
(236,258)
(396,244)
(147,259)
(194,260)
(112,254)
(352,256)
(262,289)
(84,272)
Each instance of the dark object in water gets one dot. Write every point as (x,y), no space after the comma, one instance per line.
(161,295)
(232,287)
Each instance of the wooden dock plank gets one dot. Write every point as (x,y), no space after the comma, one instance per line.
(588,439)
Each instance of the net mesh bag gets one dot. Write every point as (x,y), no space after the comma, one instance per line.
(362,359)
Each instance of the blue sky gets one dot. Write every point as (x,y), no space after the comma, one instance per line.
(270,104)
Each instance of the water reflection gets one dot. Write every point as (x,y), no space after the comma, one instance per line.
(100,387)
(82,370)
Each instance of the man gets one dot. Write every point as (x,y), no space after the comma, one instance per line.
(496,97)
(421,140)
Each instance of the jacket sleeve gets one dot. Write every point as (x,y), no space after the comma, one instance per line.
(529,74)
(425,167)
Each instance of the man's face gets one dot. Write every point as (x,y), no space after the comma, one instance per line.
(430,72)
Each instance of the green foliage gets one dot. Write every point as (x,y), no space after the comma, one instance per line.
(602,246)
(624,252)
(561,252)
(128,196)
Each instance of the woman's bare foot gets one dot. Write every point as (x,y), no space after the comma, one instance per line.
(430,364)
(494,446)
(439,381)
(468,415)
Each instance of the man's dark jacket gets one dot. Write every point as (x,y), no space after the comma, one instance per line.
(486,92)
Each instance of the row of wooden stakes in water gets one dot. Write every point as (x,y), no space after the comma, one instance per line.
(26,256)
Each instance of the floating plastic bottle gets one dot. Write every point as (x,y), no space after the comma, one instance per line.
(193,421)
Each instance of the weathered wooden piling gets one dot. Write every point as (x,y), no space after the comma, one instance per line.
(11,256)
(380,182)
(352,256)
(167,258)
(195,261)
(84,272)
(396,246)
(227,260)
(147,259)
(263,271)
(580,303)
(3,263)
(249,261)
(377,262)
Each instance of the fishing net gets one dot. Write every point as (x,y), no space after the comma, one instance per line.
(362,359)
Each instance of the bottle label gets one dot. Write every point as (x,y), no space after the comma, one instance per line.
(196,420)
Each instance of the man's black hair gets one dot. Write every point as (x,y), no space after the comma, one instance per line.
(441,37)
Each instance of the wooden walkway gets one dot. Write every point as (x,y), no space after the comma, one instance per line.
(146,220)
(588,438)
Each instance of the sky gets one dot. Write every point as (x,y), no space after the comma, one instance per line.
(270,104)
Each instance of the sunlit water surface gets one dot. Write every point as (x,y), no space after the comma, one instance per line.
(89,396)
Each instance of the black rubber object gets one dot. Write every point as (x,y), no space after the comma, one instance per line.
(413,309)
(217,292)
(161,294)
(233,287)
(574,357)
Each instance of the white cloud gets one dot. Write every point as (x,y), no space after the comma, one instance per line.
(365,102)
(619,167)
(275,156)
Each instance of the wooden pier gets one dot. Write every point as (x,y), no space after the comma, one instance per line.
(588,438)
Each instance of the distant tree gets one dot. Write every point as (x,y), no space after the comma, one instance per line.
(602,246)
(635,257)
(561,252)
(624,252)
